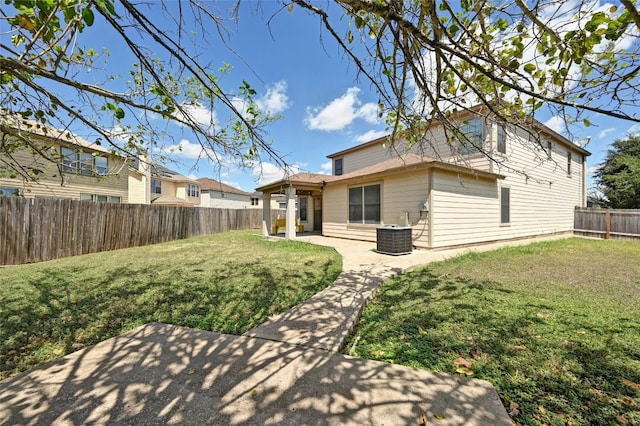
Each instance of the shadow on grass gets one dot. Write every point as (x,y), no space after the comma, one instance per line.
(557,360)
(60,311)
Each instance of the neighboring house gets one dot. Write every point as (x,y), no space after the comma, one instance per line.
(449,193)
(66,166)
(220,195)
(158,185)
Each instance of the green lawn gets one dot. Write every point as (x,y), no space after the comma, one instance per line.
(554,326)
(227,282)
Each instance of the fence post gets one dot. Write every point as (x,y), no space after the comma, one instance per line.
(607,219)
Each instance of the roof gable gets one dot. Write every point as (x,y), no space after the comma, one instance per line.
(215,185)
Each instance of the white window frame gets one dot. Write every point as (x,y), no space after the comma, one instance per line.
(156,184)
(193,190)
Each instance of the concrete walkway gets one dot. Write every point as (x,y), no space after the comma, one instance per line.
(286,371)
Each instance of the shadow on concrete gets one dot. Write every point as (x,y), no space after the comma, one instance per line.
(163,374)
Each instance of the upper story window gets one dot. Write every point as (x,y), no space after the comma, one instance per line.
(9,191)
(156,186)
(255,201)
(502,138)
(337,167)
(193,190)
(364,204)
(84,163)
(549,149)
(569,164)
(473,130)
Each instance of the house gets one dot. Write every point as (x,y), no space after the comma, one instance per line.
(63,165)
(509,182)
(220,195)
(158,185)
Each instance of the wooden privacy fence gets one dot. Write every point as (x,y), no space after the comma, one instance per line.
(35,230)
(604,223)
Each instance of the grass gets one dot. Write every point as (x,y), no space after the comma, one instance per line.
(227,283)
(554,326)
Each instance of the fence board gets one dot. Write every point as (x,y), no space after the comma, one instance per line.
(35,230)
(605,223)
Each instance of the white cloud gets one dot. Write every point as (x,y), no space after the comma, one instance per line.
(341,112)
(328,166)
(187,149)
(603,134)
(556,124)
(201,115)
(268,172)
(370,135)
(275,100)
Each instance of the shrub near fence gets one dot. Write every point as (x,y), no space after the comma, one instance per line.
(35,230)
(605,223)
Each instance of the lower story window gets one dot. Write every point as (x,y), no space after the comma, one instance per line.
(505,205)
(101,198)
(364,204)
(8,191)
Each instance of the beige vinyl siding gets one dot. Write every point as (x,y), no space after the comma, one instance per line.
(211,198)
(433,146)
(52,184)
(398,194)
(464,210)
(542,196)
(139,188)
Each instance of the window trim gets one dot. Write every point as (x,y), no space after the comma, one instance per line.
(363,210)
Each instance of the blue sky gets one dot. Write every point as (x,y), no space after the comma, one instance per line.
(300,73)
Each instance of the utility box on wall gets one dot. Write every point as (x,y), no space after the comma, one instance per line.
(393,239)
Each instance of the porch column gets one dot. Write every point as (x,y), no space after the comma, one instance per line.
(290,229)
(266,214)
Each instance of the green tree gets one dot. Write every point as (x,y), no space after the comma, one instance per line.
(618,177)
(426,59)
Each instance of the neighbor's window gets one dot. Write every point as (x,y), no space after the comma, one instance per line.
(69,160)
(505,205)
(569,164)
(302,208)
(364,204)
(156,186)
(84,163)
(549,149)
(255,201)
(8,191)
(502,138)
(474,131)
(101,198)
(193,190)
(337,166)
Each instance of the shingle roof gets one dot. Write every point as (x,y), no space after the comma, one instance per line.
(32,128)
(215,185)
